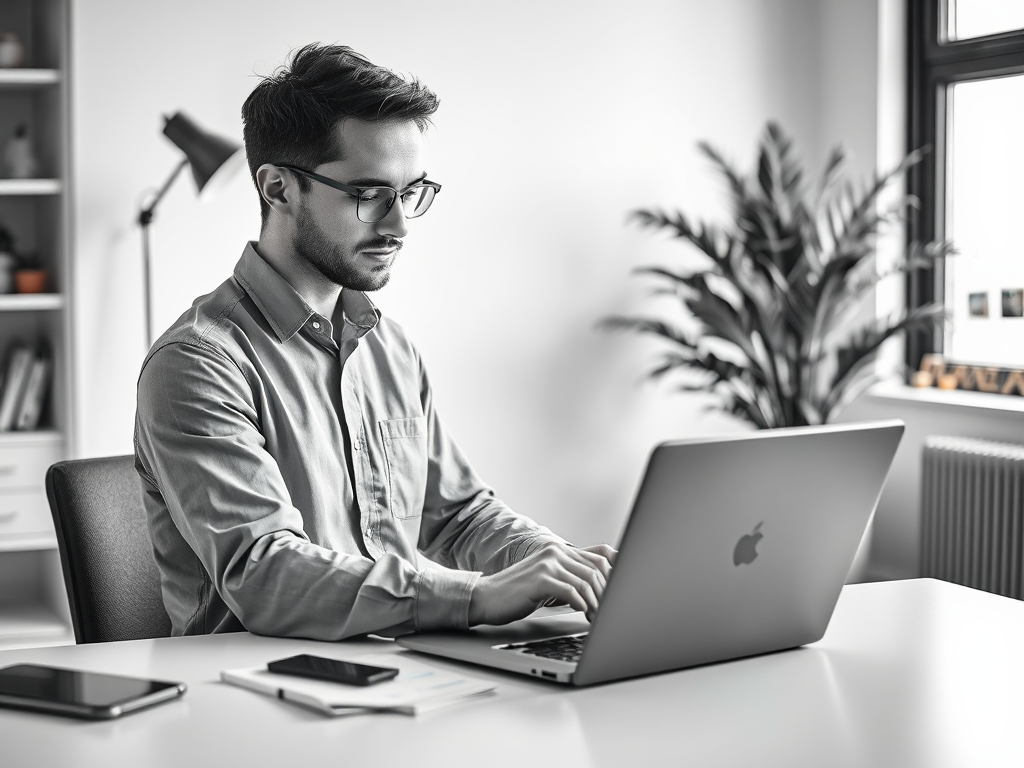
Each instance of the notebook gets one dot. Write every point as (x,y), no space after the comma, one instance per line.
(736,545)
(418,688)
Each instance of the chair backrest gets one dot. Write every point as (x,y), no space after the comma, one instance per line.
(110,573)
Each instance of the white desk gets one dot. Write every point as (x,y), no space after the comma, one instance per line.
(911,673)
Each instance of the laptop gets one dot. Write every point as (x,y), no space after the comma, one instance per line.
(736,546)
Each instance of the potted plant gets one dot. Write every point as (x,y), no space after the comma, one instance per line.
(29,277)
(780,304)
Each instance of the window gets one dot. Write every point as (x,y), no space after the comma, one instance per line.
(967,104)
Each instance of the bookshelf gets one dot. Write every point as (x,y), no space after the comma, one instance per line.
(36,211)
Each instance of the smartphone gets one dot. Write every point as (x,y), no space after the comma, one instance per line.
(93,695)
(337,671)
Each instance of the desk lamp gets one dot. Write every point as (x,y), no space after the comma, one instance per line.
(209,157)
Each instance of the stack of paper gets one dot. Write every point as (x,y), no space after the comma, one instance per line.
(417,688)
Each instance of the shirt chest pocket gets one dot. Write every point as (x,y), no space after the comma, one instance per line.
(405,448)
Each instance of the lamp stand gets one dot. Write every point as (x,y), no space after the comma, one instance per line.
(145,219)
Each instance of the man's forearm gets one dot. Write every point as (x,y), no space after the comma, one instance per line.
(483,535)
(286,586)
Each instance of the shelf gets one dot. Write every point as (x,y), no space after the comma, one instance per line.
(34,436)
(31,624)
(30,542)
(30,186)
(28,78)
(927,396)
(25,302)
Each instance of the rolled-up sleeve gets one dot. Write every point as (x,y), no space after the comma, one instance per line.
(200,450)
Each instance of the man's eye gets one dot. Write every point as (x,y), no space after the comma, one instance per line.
(411,194)
(370,196)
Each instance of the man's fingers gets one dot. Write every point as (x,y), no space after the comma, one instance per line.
(582,579)
(604,550)
(599,552)
(583,569)
(562,590)
(592,560)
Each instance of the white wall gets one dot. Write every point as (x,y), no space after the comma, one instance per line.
(501,289)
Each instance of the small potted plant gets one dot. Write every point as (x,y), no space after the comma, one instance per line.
(29,277)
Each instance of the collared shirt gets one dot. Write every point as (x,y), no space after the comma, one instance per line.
(291,474)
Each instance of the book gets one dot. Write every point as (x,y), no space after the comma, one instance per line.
(418,688)
(16,373)
(31,406)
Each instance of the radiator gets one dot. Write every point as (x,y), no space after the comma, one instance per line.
(972,505)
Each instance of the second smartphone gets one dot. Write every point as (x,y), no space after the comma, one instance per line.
(334,670)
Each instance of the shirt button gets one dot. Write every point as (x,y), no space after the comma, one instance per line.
(369,531)
(316,325)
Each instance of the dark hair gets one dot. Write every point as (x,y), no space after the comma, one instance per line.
(291,115)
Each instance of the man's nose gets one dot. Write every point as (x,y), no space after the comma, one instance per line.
(394,224)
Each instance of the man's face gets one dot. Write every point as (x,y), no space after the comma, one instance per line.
(328,235)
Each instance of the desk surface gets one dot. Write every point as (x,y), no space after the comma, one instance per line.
(910,673)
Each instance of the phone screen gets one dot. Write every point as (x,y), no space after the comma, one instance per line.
(332,669)
(90,690)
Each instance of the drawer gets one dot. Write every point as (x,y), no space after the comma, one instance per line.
(22,513)
(24,465)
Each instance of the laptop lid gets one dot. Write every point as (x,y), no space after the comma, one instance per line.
(736,546)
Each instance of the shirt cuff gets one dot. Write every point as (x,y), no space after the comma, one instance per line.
(442,598)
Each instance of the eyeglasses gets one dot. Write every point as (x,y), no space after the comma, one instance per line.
(374,203)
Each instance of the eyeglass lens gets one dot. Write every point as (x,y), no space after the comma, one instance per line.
(375,202)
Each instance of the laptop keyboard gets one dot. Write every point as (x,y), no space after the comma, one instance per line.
(568,648)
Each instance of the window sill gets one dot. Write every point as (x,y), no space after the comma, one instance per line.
(960,398)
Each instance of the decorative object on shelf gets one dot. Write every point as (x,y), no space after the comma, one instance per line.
(12,52)
(19,158)
(974,378)
(7,261)
(1013,302)
(29,277)
(213,159)
(977,304)
(921,379)
(7,264)
(783,339)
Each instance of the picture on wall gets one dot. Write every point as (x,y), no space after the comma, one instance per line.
(977,304)
(1013,302)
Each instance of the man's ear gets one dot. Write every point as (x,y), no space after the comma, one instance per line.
(277,187)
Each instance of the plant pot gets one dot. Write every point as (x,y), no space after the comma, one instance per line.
(30,280)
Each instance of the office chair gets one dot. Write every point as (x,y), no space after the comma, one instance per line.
(105,552)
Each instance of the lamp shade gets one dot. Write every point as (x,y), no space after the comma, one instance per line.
(206,153)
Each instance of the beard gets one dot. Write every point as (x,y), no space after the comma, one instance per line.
(333,262)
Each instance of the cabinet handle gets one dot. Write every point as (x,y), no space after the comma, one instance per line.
(7,470)
(8,517)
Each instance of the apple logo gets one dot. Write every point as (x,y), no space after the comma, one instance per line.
(746,548)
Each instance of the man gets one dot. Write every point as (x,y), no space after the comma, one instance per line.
(293,465)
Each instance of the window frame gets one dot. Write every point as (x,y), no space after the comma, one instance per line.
(934,63)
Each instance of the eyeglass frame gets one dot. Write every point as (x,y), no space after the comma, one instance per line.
(356,191)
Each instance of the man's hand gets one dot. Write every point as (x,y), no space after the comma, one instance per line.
(554,574)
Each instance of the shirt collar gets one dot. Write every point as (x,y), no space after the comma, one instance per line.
(285,310)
